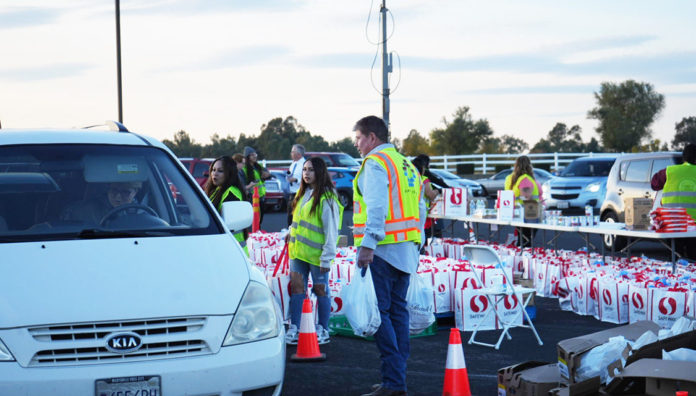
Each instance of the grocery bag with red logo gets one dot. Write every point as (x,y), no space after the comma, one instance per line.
(691,303)
(584,304)
(439,281)
(638,307)
(613,301)
(510,310)
(505,204)
(279,281)
(455,202)
(461,277)
(471,308)
(667,305)
(565,293)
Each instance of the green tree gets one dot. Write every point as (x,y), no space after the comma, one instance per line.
(653,145)
(220,146)
(183,145)
(346,145)
(415,144)
(461,136)
(625,112)
(686,133)
(562,139)
(512,145)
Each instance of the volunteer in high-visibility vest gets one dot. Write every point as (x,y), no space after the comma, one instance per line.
(386,229)
(317,216)
(429,195)
(678,185)
(521,182)
(255,176)
(223,185)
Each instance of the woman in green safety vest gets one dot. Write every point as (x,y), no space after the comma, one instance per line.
(255,175)
(521,182)
(223,185)
(317,217)
(429,195)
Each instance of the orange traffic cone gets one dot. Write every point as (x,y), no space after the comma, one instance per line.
(256,224)
(456,378)
(307,344)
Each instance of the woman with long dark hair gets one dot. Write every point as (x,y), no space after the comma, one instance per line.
(521,182)
(317,216)
(223,185)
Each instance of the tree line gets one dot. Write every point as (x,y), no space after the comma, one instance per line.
(625,111)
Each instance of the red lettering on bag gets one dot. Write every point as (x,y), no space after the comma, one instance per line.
(441,288)
(607,297)
(665,309)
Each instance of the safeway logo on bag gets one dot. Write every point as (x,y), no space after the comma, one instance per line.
(579,291)
(510,302)
(478,303)
(456,197)
(607,297)
(668,306)
(637,300)
(594,293)
(624,299)
(470,282)
(441,288)
(336,304)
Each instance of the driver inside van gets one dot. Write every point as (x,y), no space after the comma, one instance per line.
(94,210)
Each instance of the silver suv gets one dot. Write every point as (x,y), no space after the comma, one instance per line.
(630,178)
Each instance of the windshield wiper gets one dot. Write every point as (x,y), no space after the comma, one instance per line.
(97,233)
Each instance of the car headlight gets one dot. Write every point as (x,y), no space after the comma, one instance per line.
(255,319)
(5,355)
(593,187)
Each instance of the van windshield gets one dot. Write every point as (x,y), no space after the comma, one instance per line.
(346,160)
(592,168)
(57,191)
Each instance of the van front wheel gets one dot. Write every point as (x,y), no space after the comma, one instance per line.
(617,241)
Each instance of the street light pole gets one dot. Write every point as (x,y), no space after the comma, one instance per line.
(118,61)
(386,67)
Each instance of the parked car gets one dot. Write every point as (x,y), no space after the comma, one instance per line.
(198,168)
(630,178)
(496,182)
(583,182)
(334,159)
(343,181)
(275,193)
(154,297)
(453,180)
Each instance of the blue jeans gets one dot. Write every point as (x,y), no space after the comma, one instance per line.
(318,278)
(392,337)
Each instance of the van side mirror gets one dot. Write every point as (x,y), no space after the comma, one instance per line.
(237,215)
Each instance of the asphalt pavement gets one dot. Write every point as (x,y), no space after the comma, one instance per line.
(353,364)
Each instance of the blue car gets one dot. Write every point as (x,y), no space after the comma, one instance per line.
(582,183)
(343,181)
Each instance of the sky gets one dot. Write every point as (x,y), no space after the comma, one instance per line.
(230,66)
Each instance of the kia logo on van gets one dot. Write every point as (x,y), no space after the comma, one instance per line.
(123,342)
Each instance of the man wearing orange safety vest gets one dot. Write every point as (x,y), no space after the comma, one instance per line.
(387,232)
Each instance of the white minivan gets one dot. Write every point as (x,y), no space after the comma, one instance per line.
(119,278)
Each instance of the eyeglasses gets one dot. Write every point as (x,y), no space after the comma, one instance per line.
(124,192)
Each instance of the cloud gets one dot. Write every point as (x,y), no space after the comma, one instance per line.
(23,17)
(45,72)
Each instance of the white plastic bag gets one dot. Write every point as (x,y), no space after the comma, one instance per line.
(360,304)
(595,362)
(682,354)
(421,308)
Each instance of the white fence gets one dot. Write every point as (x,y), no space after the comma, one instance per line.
(483,163)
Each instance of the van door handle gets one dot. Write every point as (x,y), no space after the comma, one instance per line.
(620,191)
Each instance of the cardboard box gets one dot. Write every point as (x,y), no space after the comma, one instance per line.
(637,213)
(655,377)
(536,381)
(589,387)
(570,351)
(506,374)
(531,210)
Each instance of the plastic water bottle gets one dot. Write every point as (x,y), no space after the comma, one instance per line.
(589,215)
(480,205)
(472,207)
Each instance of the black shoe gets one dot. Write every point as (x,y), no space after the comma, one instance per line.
(378,390)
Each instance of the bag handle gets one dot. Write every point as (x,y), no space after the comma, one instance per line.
(282,260)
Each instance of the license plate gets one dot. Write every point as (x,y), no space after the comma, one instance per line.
(148,385)
(562,205)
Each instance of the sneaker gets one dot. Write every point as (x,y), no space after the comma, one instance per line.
(292,335)
(322,335)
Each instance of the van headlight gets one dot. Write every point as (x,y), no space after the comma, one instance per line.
(5,355)
(255,319)
(593,187)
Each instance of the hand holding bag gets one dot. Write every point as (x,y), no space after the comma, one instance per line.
(360,305)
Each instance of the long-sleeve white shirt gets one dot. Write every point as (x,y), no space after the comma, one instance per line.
(373,182)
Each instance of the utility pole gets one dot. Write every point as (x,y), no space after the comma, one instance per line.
(386,67)
(118,61)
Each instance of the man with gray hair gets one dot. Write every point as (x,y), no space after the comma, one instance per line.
(294,175)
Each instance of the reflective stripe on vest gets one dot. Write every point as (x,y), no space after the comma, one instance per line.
(516,188)
(680,188)
(405,188)
(307,237)
(239,236)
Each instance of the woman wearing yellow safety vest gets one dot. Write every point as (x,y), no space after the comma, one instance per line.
(429,195)
(521,182)
(223,185)
(255,175)
(317,217)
